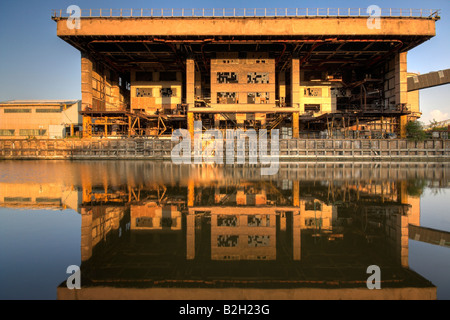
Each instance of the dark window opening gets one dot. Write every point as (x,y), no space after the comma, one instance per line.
(258,77)
(167,76)
(257,97)
(313,205)
(313,75)
(227,97)
(143,92)
(227,220)
(32,132)
(168,92)
(312,107)
(144,76)
(48,110)
(17,110)
(227,77)
(313,92)
(227,240)
(7,132)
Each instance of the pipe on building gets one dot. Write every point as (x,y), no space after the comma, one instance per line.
(306,57)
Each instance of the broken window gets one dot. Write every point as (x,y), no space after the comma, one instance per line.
(144,92)
(227,97)
(144,222)
(227,240)
(313,92)
(258,241)
(258,220)
(227,220)
(251,97)
(32,132)
(227,77)
(257,97)
(312,107)
(168,92)
(258,77)
(7,132)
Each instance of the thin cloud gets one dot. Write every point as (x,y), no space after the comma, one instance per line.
(438,115)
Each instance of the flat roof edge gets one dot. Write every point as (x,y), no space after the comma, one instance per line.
(371,11)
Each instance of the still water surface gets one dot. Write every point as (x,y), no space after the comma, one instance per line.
(140,224)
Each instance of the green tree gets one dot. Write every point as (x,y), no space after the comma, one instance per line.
(433,124)
(415,187)
(415,132)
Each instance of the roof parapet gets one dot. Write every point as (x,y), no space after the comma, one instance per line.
(247,13)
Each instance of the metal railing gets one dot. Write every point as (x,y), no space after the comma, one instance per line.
(289,149)
(246,12)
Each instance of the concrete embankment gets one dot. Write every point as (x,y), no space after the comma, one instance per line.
(289,149)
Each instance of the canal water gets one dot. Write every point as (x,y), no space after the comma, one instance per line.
(226,232)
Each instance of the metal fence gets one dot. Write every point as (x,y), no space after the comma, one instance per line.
(246,12)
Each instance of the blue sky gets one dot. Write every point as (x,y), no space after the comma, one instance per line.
(36,64)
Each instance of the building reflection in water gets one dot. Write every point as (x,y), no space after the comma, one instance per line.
(160,231)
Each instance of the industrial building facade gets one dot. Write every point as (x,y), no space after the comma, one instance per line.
(146,73)
(40,119)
